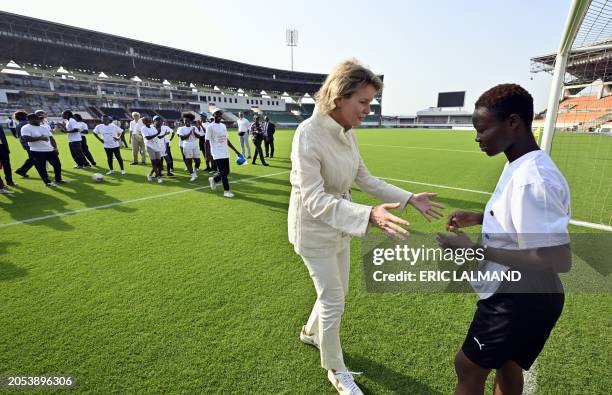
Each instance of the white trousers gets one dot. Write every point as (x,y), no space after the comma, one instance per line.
(331,280)
(244,141)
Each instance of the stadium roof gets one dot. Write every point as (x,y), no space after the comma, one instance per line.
(36,41)
(585,64)
(591,50)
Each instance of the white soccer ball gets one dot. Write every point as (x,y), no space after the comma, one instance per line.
(97,177)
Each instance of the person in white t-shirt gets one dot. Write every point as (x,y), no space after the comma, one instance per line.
(109,135)
(210,162)
(166,135)
(84,131)
(216,134)
(201,143)
(154,148)
(524,230)
(243,133)
(138,143)
(43,148)
(71,127)
(190,134)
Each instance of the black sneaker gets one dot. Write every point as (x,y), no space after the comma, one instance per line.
(11,184)
(61,182)
(266,164)
(171,175)
(134,163)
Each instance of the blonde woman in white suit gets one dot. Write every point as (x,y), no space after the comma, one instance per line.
(322,216)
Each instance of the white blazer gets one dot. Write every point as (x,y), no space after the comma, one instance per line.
(325,163)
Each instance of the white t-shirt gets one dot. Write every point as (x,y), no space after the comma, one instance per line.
(530,208)
(37,131)
(108,133)
(192,140)
(83,126)
(136,126)
(217,134)
(243,125)
(73,125)
(150,131)
(162,141)
(166,129)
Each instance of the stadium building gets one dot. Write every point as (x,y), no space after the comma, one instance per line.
(449,113)
(52,66)
(586,97)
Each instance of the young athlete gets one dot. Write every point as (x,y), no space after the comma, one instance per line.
(71,127)
(43,149)
(524,228)
(154,148)
(190,135)
(166,135)
(216,134)
(109,134)
(84,131)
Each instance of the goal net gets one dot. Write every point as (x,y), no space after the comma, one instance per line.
(580,138)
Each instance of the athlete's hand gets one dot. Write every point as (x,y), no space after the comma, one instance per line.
(462,219)
(389,223)
(459,240)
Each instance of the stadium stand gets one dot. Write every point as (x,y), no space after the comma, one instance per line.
(169,114)
(136,75)
(585,112)
(283,118)
(307,109)
(118,114)
(144,111)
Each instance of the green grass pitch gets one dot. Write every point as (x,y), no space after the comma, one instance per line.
(193,292)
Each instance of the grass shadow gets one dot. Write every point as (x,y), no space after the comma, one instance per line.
(8,271)
(394,381)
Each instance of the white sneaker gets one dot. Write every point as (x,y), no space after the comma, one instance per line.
(159,180)
(228,194)
(312,340)
(194,176)
(123,172)
(344,383)
(213,184)
(110,172)
(4,191)
(149,178)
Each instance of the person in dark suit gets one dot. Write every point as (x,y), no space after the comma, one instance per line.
(257,135)
(269,128)
(5,160)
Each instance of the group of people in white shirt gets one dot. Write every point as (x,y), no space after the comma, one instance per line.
(149,137)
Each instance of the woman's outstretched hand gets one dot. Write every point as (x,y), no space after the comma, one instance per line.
(422,202)
(389,223)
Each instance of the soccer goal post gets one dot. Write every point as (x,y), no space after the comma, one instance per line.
(578,118)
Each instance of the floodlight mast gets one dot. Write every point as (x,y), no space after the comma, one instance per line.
(291,37)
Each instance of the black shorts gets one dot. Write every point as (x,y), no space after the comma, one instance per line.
(511,327)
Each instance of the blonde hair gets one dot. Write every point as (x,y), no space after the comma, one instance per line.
(344,80)
(134,114)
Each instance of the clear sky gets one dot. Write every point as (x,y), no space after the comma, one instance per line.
(422,47)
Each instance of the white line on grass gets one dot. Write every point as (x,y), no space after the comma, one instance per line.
(425,148)
(530,385)
(84,210)
(576,222)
